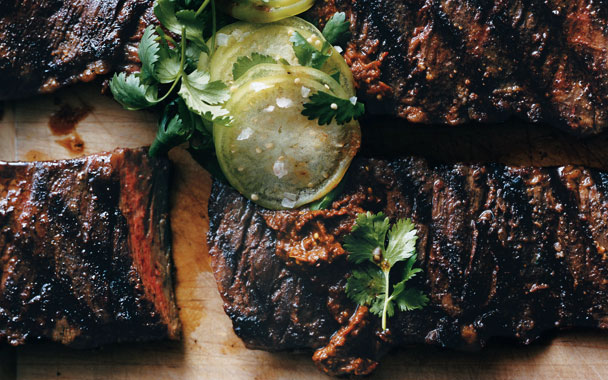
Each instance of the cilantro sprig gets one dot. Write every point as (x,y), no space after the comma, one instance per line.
(243,63)
(337,28)
(174,67)
(370,283)
(307,54)
(326,107)
(314,52)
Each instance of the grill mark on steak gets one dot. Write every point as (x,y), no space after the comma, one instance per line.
(84,250)
(451,62)
(505,251)
(48,45)
(275,319)
(434,62)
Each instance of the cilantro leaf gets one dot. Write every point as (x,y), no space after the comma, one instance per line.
(175,20)
(131,93)
(174,128)
(196,58)
(307,54)
(148,55)
(169,65)
(204,97)
(365,285)
(411,299)
(382,308)
(194,28)
(336,76)
(401,242)
(368,233)
(337,28)
(326,107)
(243,64)
(370,285)
(164,10)
(409,271)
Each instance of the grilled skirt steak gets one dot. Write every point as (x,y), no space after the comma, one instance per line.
(85,247)
(454,61)
(505,251)
(437,61)
(45,45)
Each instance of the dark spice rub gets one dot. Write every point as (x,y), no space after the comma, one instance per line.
(45,45)
(85,250)
(454,61)
(438,61)
(505,251)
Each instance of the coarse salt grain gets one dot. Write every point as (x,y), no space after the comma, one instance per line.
(284,102)
(236,34)
(289,201)
(353,100)
(305,92)
(279,169)
(245,134)
(338,49)
(259,86)
(222,39)
(269,109)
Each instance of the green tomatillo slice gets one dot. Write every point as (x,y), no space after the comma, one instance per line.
(275,156)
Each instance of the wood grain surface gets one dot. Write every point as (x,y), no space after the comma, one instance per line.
(210,349)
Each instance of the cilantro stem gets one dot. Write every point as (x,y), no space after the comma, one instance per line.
(180,73)
(201,8)
(387,299)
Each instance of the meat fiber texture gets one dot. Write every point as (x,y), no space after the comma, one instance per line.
(45,45)
(505,251)
(431,62)
(451,62)
(85,250)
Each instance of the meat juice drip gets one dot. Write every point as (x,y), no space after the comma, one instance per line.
(63,122)
(73,143)
(65,119)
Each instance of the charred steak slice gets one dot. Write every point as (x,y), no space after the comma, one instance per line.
(45,45)
(85,250)
(450,62)
(437,61)
(505,251)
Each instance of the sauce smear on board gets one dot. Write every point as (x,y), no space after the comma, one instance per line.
(63,122)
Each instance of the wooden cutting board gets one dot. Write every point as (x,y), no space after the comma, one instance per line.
(210,349)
